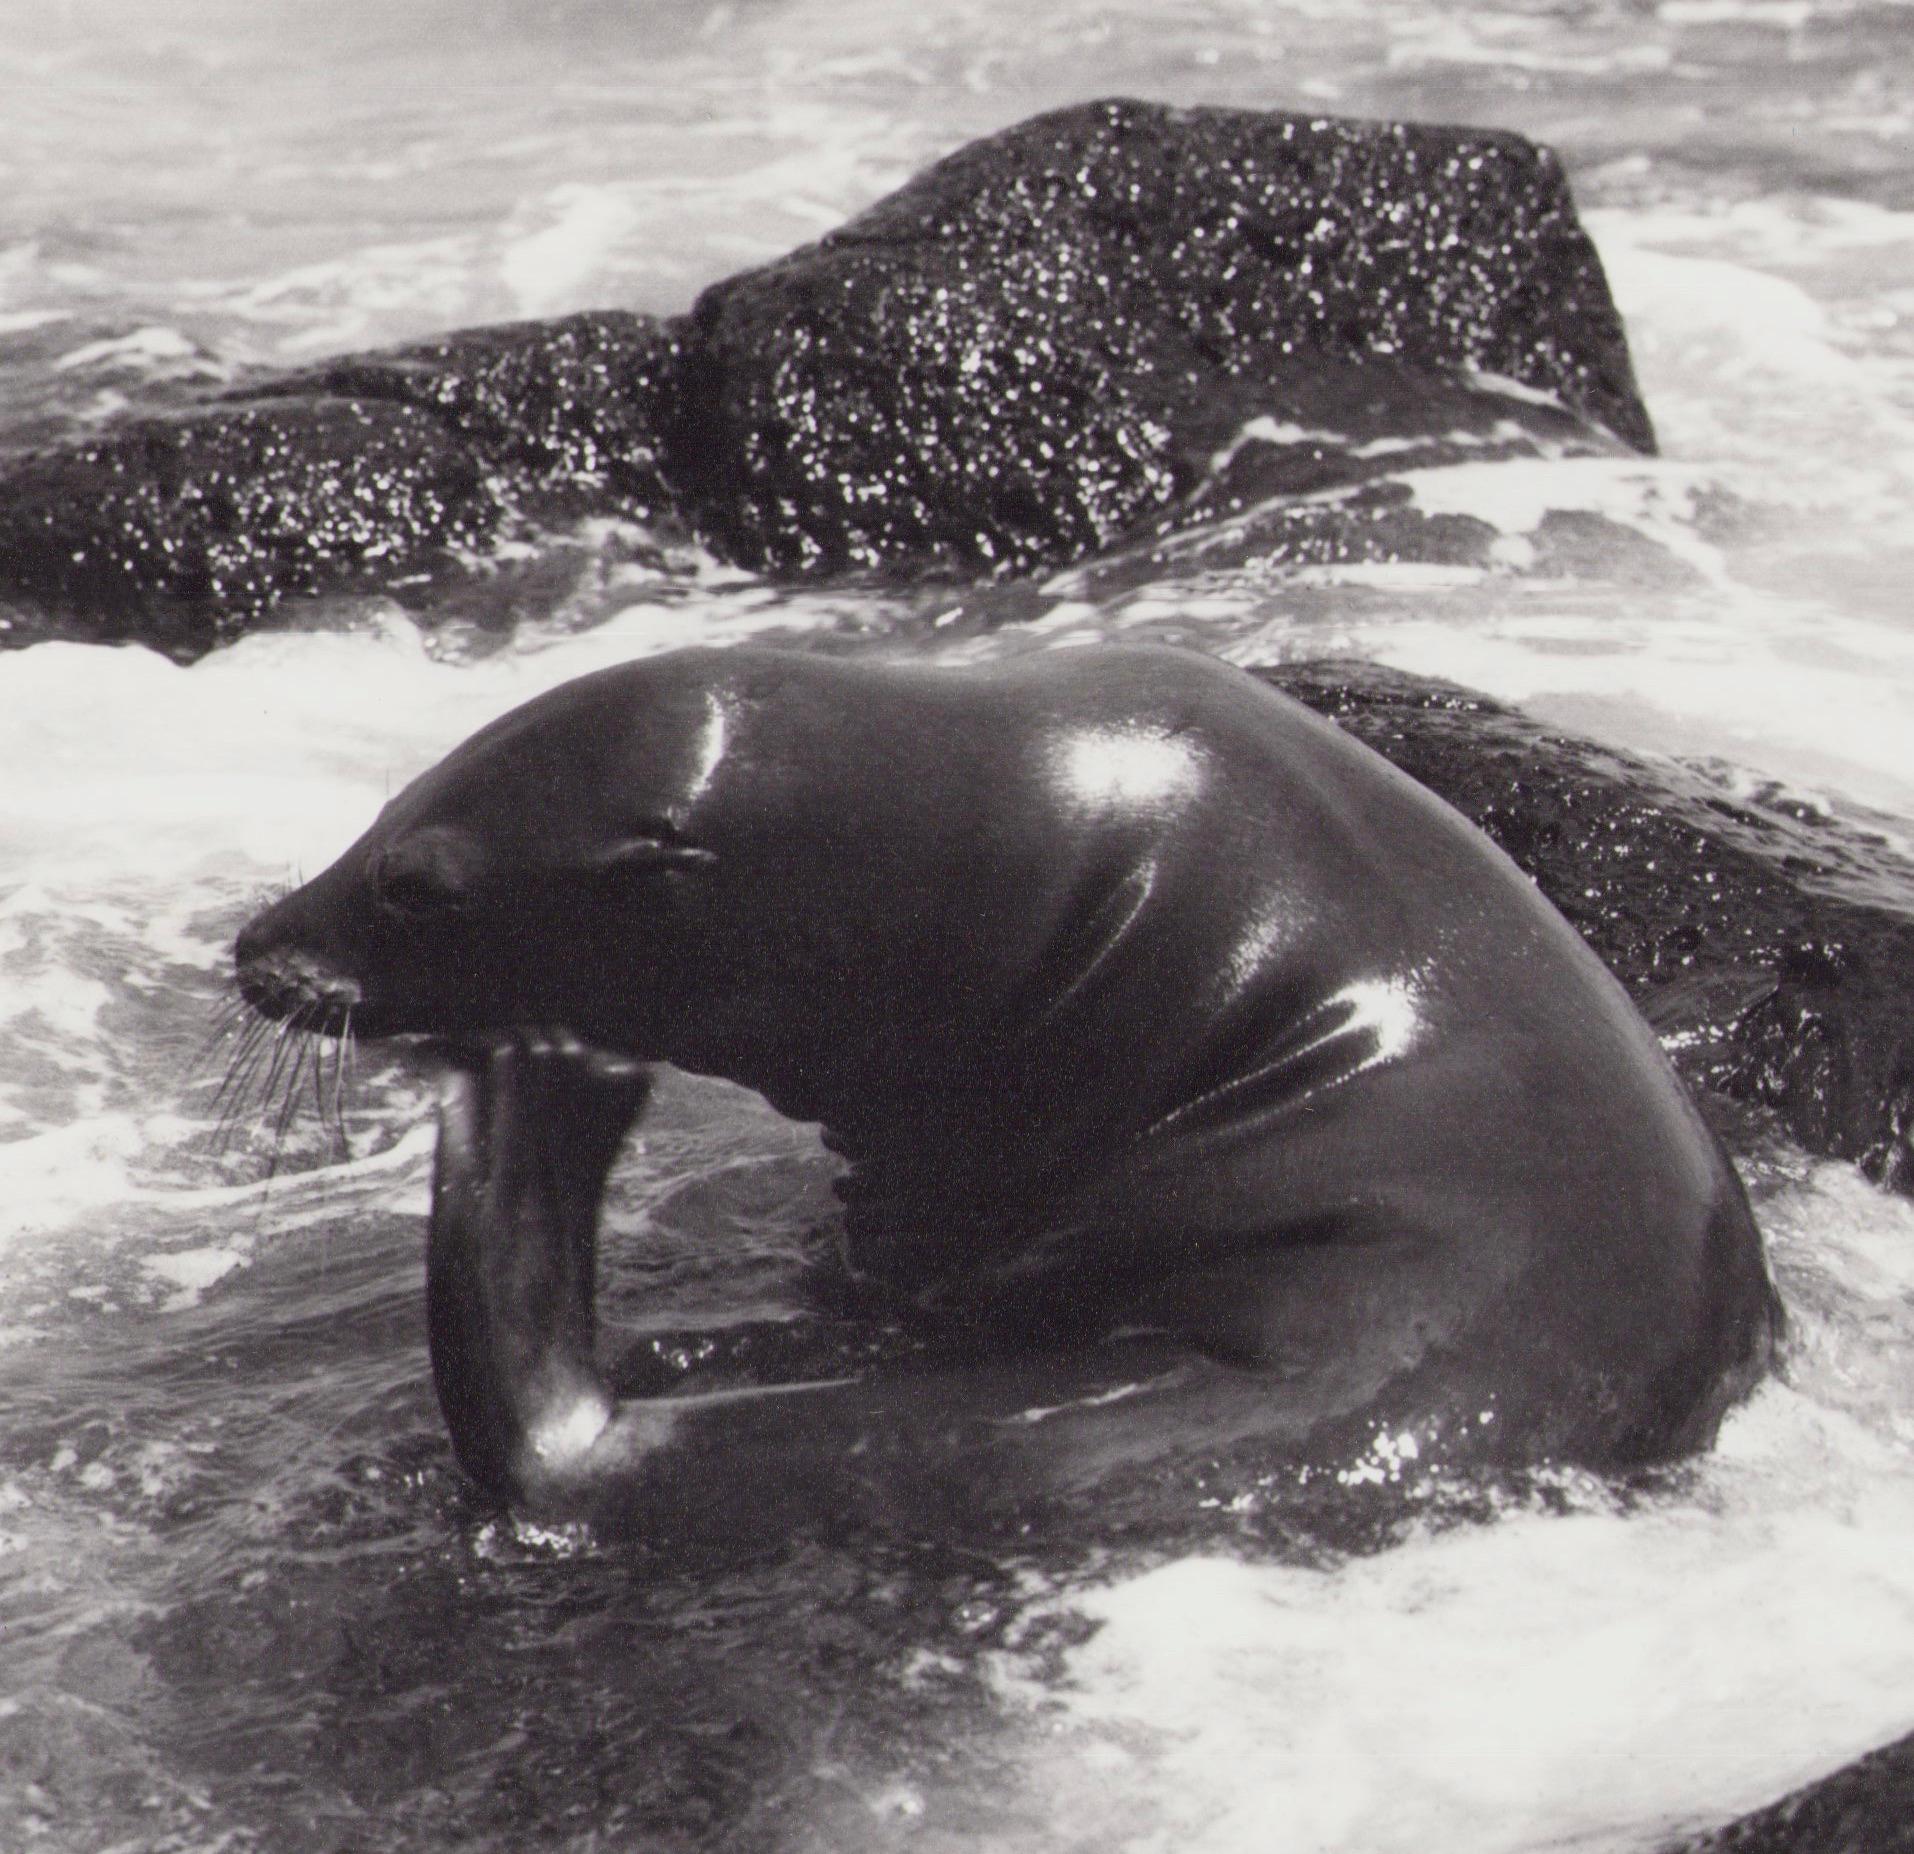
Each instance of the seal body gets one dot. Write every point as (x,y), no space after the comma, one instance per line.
(1142,1002)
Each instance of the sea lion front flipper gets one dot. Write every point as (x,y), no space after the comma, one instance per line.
(527,1137)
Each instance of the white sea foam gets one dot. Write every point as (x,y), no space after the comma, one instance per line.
(1511,43)
(21,321)
(191,1272)
(1804,696)
(1747,369)
(145,350)
(1784,15)
(1600,1678)
(1794,653)
(363,300)
(545,269)
(52,1179)
(1533,1683)
(1656,501)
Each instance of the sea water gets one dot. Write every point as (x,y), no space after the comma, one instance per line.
(244,1600)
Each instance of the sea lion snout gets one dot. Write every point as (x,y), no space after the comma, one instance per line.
(284,972)
(289,981)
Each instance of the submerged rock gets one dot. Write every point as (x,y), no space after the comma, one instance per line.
(1114,317)
(1772,949)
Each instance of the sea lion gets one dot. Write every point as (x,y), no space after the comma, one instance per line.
(1209,1084)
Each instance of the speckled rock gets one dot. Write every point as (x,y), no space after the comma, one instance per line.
(1772,948)
(1112,319)
(177,531)
(368,474)
(569,416)
(1048,337)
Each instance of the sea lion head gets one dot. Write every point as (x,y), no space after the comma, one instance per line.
(489,896)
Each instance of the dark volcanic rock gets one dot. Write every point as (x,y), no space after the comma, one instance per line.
(1053,338)
(1772,949)
(1044,338)
(176,531)
(568,415)
(1868,1808)
(362,475)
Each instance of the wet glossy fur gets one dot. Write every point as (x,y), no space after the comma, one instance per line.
(1218,1082)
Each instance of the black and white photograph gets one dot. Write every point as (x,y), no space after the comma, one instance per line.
(957,928)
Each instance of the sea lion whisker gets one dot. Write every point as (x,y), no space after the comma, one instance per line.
(287,1043)
(315,1074)
(241,1069)
(252,1030)
(228,1021)
(303,1052)
(230,1076)
(328,1071)
(230,1016)
(244,1095)
(341,1055)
